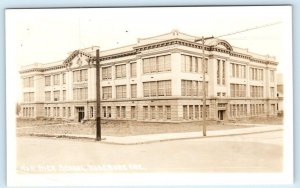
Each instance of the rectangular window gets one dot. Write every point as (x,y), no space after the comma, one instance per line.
(123,112)
(132,70)
(28,82)
(56,95)
(157,88)
(192,88)
(161,88)
(64,78)
(69,111)
(91,111)
(80,75)
(133,112)
(106,73)
(109,111)
(58,112)
(183,87)
(196,111)
(167,62)
(146,86)
(239,71)
(80,93)
(191,112)
(121,91)
(64,111)
(157,64)
(218,71)
(47,80)
(47,95)
(223,72)
(145,112)
(152,112)
(28,96)
(237,90)
(118,112)
(56,79)
(185,112)
(168,87)
(54,111)
(64,95)
(272,92)
(195,88)
(256,74)
(133,90)
(146,65)
(153,64)
(121,71)
(256,91)
(160,112)
(107,92)
(168,112)
(104,111)
(160,63)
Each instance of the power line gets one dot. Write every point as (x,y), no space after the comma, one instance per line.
(249,29)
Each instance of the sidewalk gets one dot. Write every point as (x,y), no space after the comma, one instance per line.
(150,138)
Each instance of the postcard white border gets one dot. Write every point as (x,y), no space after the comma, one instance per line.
(286,177)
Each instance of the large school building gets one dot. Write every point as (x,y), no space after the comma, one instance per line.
(157,79)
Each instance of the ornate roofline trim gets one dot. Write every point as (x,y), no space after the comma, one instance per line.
(137,49)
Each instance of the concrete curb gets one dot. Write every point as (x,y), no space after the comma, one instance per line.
(105,141)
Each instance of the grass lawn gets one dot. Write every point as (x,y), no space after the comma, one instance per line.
(127,128)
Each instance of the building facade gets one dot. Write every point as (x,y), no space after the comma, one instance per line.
(157,79)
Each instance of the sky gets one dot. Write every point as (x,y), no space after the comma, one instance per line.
(47,35)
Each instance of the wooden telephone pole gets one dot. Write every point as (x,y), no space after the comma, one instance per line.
(204,82)
(98,98)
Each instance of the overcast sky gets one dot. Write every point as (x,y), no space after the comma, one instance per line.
(47,35)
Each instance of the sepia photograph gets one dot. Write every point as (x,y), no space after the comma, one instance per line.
(149,96)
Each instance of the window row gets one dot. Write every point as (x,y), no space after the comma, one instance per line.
(57,112)
(238,90)
(121,91)
(220,72)
(193,64)
(80,75)
(238,110)
(194,112)
(257,109)
(120,71)
(55,79)
(80,93)
(157,88)
(28,96)
(28,111)
(238,71)
(256,91)
(157,112)
(256,74)
(28,82)
(157,64)
(56,95)
(192,88)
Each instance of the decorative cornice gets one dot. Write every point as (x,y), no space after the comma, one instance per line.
(138,49)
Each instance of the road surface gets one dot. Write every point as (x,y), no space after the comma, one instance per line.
(260,152)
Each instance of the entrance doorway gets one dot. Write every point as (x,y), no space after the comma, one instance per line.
(221,114)
(80,111)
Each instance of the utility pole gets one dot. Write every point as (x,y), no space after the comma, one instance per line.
(204,83)
(98,117)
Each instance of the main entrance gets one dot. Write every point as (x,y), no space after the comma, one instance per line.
(221,114)
(80,111)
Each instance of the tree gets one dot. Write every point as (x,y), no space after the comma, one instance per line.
(18,108)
